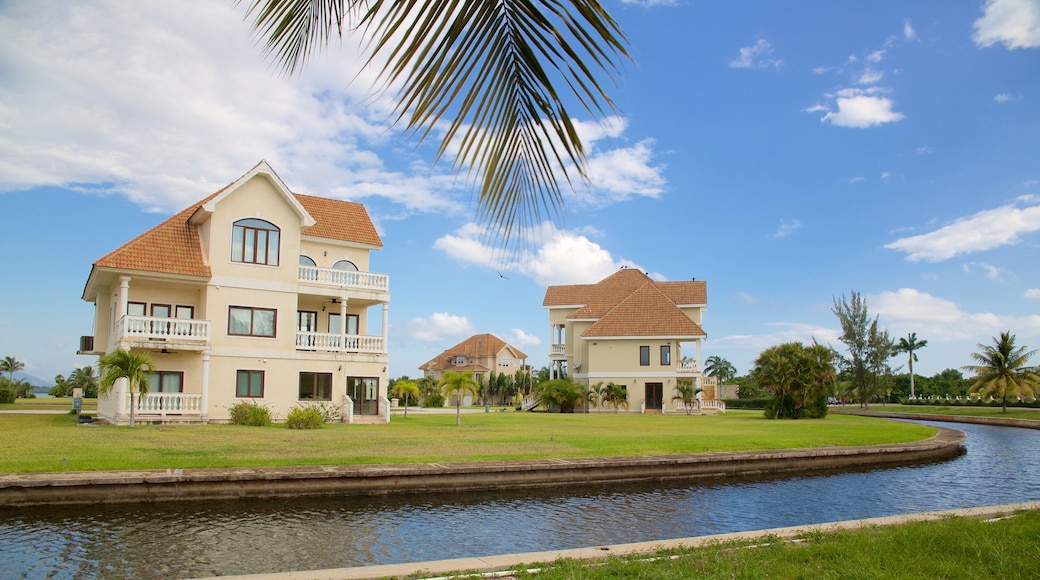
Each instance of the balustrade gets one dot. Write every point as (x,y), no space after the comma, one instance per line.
(344,278)
(162,404)
(149,327)
(323,341)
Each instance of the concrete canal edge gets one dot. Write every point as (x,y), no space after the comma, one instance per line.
(498,566)
(156,485)
(995,421)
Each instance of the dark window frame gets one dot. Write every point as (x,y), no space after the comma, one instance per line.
(644,356)
(260,231)
(249,373)
(666,355)
(252,321)
(143,305)
(157,388)
(314,386)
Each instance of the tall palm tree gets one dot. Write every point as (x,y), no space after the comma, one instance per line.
(615,395)
(909,345)
(488,68)
(405,389)
(457,384)
(686,393)
(122,364)
(1001,370)
(720,368)
(10,366)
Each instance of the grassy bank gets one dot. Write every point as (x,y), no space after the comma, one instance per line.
(39,443)
(1012,412)
(48,404)
(948,548)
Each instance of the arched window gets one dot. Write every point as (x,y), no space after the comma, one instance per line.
(255,241)
(307,261)
(345,265)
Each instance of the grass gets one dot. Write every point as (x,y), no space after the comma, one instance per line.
(949,548)
(1012,412)
(40,443)
(48,404)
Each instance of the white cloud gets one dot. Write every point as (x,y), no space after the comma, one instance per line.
(559,256)
(781,332)
(938,319)
(870,77)
(438,329)
(757,55)
(1032,293)
(618,174)
(990,271)
(860,109)
(858,179)
(1005,97)
(876,56)
(746,298)
(521,339)
(924,150)
(1015,23)
(787,228)
(908,31)
(987,229)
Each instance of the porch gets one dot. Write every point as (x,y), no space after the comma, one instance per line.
(346,343)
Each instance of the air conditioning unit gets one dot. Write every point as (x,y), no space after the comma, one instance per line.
(86,343)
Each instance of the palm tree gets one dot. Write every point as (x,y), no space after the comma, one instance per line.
(720,368)
(486,67)
(122,364)
(10,366)
(458,384)
(405,389)
(686,392)
(616,395)
(1002,370)
(909,345)
(84,378)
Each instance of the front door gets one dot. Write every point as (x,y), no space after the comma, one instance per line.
(364,392)
(654,394)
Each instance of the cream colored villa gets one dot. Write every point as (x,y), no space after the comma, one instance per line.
(252,294)
(481,354)
(633,331)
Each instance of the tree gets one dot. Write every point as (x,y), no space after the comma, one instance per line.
(488,68)
(798,377)
(869,348)
(615,395)
(560,392)
(405,389)
(457,384)
(11,366)
(909,345)
(122,364)
(1001,370)
(84,378)
(686,392)
(720,368)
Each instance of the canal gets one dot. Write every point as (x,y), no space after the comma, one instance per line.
(194,539)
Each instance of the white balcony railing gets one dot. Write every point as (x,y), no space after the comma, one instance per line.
(344,278)
(149,327)
(688,365)
(162,404)
(558,349)
(356,343)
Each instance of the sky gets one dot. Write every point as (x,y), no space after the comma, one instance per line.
(788,153)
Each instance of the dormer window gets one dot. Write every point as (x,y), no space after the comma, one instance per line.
(255,241)
(459,361)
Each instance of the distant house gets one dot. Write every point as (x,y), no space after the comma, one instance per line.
(482,354)
(252,294)
(635,332)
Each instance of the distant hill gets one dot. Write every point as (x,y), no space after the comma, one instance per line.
(34,381)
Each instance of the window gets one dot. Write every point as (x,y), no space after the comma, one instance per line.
(166,382)
(505,361)
(458,361)
(161,310)
(666,355)
(247,321)
(184,312)
(316,386)
(644,356)
(254,241)
(345,265)
(249,384)
(136,308)
(307,261)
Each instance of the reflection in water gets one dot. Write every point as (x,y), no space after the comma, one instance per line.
(241,537)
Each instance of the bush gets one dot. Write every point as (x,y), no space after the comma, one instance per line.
(7,395)
(250,413)
(433,401)
(304,418)
(746,403)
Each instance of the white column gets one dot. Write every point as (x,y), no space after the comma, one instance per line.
(343,323)
(699,355)
(119,391)
(386,327)
(121,302)
(205,387)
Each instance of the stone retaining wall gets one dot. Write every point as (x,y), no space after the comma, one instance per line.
(105,487)
(998,421)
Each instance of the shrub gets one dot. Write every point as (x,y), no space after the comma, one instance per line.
(433,401)
(250,413)
(7,395)
(304,418)
(329,413)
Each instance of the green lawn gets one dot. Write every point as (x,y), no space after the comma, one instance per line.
(39,443)
(47,404)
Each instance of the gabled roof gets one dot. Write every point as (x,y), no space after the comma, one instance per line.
(630,303)
(173,247)
(476,346)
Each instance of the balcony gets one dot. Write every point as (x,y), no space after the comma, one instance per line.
(558,351)
(165,405)
(351,343)
(688,366)
(166,330)
(345,279)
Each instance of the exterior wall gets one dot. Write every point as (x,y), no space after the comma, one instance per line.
(325,254)
(617,361)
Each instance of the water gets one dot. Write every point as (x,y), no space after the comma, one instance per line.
(221,538)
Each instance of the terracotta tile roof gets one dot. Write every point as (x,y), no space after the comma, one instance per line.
(476,346)
(630,303)
(173,246)
(346,221)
